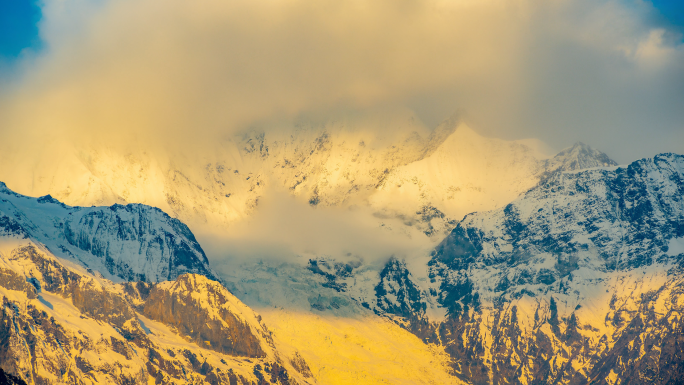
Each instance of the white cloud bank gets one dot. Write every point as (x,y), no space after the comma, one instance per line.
(287,229)
(180,73)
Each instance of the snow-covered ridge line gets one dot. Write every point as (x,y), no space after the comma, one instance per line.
(122,242)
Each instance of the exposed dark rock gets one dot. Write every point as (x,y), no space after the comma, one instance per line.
(9,379)
(13,281)
(300,365)
(333,272)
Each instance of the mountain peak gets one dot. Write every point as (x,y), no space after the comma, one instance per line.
(581,156)
(49,199)
(441,133)
(207,313)
(577,157)
(5,190)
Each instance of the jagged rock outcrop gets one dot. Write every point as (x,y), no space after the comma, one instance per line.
(132,242)
(205,312)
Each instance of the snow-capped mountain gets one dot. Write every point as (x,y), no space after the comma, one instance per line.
(579,280)
(567,270)
(132,242)
(469,173)
(63,325)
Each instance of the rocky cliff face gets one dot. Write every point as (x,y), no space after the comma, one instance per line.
(61,325)
(206,313)
(132,242)
(577,281)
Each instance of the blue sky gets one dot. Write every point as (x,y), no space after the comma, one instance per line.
(672,10)
(18,26)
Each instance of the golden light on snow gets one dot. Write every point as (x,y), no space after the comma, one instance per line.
(368,350)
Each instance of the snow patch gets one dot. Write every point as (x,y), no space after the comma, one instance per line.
(675,247)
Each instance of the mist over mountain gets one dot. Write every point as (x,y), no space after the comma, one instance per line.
(63,321)
(335,189)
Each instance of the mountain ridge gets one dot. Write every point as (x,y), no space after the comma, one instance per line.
(107,239)
(497,294)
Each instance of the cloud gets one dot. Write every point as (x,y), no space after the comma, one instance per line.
(174,76)
(178,73)
(286,228)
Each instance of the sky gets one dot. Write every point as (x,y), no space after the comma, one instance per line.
(18,26)
(606,72)
(671,10)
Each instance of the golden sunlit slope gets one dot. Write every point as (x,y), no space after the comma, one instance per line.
(365,350)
